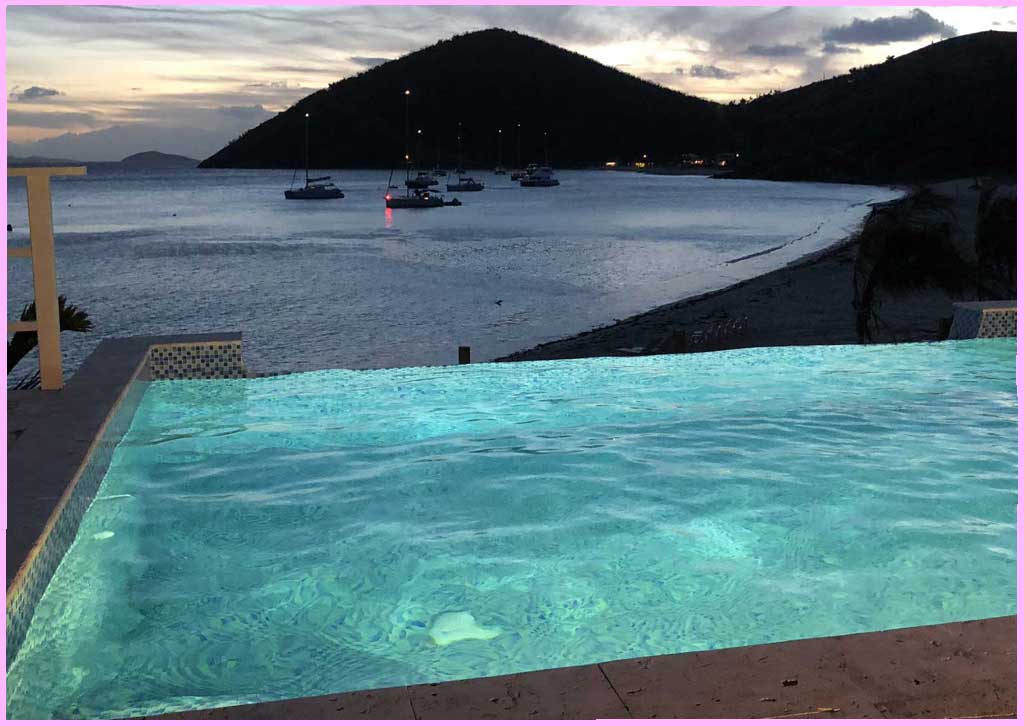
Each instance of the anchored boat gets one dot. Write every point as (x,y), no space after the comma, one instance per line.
(319,187)
(465,184)
(542,176)
(523,173)
(421,199)
(417,190)
(423,180)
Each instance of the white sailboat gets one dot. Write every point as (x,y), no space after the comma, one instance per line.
(319,187)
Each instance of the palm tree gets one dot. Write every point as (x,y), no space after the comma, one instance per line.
(22,343)
(906,246)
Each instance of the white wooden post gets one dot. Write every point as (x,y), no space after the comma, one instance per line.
(44,270)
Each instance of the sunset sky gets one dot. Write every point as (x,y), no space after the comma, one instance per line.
(95,83)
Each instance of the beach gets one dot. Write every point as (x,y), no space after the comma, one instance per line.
(808,302)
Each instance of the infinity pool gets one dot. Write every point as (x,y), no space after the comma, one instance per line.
(340,530)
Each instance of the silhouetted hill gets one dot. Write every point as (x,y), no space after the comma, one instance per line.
(142,160)
(158,160)
(947,110)
(488,80)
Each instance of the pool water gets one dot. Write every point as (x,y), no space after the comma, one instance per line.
(340,530)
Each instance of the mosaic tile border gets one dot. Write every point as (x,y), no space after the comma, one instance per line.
(983,320)
(35,576)
(218,359)
(171,360)
(998,324)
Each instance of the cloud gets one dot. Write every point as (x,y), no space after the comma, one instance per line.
(33,93)
(882,31)
(832,49)
(49,120)
(367,61)
(709,71)
(246,112)
(775,51)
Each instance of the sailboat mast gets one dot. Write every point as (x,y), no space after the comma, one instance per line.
(307,149)
(407,94)
(519,146)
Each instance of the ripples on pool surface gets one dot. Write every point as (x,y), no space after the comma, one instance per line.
(291,536)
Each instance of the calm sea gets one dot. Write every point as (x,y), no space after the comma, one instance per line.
(346,283)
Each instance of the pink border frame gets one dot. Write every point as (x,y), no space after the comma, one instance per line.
(648,3)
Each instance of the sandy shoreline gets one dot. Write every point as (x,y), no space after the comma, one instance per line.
(808,302)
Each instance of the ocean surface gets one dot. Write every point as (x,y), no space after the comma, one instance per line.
(345,283)
(279,537)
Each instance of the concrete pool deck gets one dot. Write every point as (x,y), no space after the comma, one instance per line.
(940,671)
(959,669)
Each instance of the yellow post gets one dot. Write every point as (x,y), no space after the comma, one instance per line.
(44,269)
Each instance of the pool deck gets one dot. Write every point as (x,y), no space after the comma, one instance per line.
(953,670)
(942,671)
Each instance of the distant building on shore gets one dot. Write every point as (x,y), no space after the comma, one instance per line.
(726,160)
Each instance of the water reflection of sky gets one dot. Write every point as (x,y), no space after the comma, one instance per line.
(336,283)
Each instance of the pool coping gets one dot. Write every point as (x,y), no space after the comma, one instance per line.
(965,669)
(68,428)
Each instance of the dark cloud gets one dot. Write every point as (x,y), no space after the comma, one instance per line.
(832,49)
(277,85)
(245,112)
(882,31)
(367,61)
(33,93)
(708,71)
(49,120)
(304,70)
(776,51)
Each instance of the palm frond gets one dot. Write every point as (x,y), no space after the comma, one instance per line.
(71,317)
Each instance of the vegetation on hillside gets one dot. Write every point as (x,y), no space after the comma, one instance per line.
(484,80)
(904,247)
(944,111)
(941,112)
(995,241)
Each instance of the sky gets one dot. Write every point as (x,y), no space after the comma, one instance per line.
(97,83)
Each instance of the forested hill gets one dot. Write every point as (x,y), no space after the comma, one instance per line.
(944,110)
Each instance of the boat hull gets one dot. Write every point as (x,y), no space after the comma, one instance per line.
(314,194)
(413,203)
(538,182)
(475,187)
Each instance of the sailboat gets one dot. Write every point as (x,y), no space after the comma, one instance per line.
(465,183)
(417,193)
(499,169)
(540,176)
(316,188)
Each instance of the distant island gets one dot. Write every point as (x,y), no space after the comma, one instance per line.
(159,160)
(943,111)
(142,160)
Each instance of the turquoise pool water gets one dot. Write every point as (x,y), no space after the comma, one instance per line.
(341,530)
